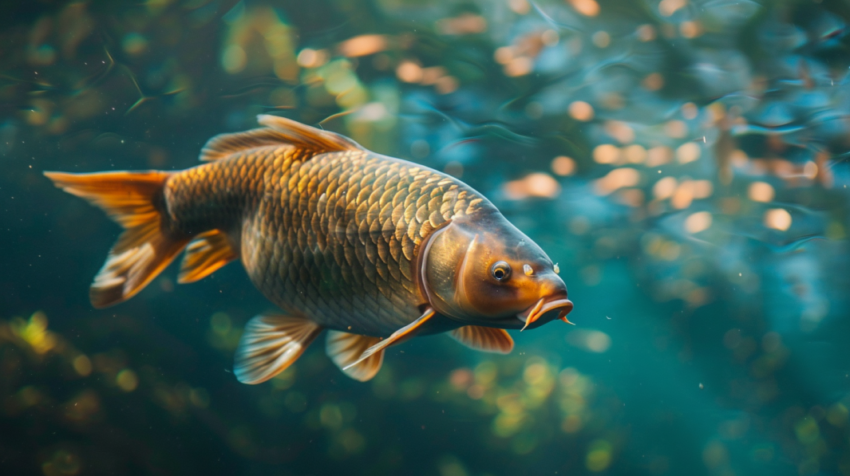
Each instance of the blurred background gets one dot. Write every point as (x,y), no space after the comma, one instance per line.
(685,161)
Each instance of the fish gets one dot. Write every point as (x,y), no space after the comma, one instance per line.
(372,249)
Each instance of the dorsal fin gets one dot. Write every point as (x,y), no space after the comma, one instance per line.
(278,131)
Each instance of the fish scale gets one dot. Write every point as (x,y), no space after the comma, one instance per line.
(331,237)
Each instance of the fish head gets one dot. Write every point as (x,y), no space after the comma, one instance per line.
(484,271)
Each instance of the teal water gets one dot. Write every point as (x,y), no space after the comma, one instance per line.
(684,161)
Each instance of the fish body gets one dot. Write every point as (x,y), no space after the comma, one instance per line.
(333,238)
(371,248)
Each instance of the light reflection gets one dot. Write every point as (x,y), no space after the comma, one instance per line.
(310,58)
(360,46)
(586,7)
(606,154)
(688,152)
(581,111)
(533,185)
(760,192)
(409,72)
(778,219)
(616,179)
(465,24)
(697,222)
(589,340)
(669,7)
(563,165)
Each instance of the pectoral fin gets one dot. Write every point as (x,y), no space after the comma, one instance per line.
(206,253)
(270,344)
(344,348)
(485,339)
(398,336)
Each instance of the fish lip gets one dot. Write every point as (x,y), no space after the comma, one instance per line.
(542,306)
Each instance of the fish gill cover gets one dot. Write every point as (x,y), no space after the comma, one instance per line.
(683,161)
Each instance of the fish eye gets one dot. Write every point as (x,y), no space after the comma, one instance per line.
(501,271)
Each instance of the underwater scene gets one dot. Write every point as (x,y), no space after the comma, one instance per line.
(678,168)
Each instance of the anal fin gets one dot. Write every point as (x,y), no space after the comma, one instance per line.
(400,335)
(205,254)
(270,344)
(485,339)
(344,348)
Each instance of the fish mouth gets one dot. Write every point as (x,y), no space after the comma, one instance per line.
(542,307)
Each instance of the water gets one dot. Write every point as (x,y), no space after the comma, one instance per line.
(683,161)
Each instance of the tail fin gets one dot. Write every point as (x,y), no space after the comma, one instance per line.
(135,201)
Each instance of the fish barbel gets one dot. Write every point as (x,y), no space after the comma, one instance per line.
(373,249)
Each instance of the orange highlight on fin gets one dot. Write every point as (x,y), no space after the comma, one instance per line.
(270,343)
(485,339)
(144,249)
(205,254)
(398,336)
(344,348)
